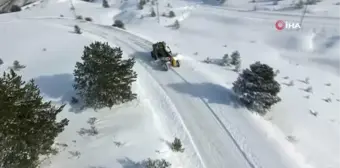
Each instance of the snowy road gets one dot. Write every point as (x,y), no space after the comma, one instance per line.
(223,133)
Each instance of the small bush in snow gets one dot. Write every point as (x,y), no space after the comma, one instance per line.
(163,14)
(89,132)
(17,66)
(79,17)
(177,146)
(277,72)
(77,29)
(74,154)
(15,8)
(172,14)
(257,88)
(61,16)
(91,120)
(291,138)
(314,113)
(74,100)
(105,4)
(158,163)
(119,24)
(153,13)
(299,4)
(176,24)
(237,67)
(307,80)
(291,83)
(1,61)
(226,60)
(328,100)
(328,84)
(311,2)
(275,2)
(89,19)
(110,83)
(141,4)
(309,89)
(207,60)
(286,77)
(28,124)
(169,5)
(235,58)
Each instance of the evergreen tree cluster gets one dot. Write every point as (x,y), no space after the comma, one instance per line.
(234,59)
(257,88)
(103,79)
(177,145)
(158,163)
(141,4)
(28,124)
(172,14)
(106,4)
(119,24)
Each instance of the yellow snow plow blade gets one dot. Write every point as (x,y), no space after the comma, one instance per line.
(174,63)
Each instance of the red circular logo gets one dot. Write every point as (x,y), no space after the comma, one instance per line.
(280,25)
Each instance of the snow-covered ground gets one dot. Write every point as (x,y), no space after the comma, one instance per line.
(193,102)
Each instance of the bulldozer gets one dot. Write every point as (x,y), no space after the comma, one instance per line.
(160,51)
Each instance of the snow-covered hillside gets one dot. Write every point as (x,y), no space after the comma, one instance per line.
(193,102)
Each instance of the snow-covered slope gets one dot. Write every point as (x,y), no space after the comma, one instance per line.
(195,101)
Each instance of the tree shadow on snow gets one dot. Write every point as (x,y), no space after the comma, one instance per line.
(128,163)
(212,93)
(59,86)
(145,59)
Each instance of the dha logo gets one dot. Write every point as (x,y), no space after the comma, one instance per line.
(280,25)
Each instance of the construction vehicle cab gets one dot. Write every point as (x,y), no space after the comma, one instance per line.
(160,51)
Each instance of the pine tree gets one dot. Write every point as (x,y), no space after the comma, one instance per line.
(106,4)
(28,125)
(299,4)
(235,58)
(119,24)
(172,14)
(176,24)
(237,67)
(17,66)
(177,145)
(226,60)
(15,8)
(77,29)
(1,61)
(103,78)
(153,13)
(140,6)
(158,163)
(257,88)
